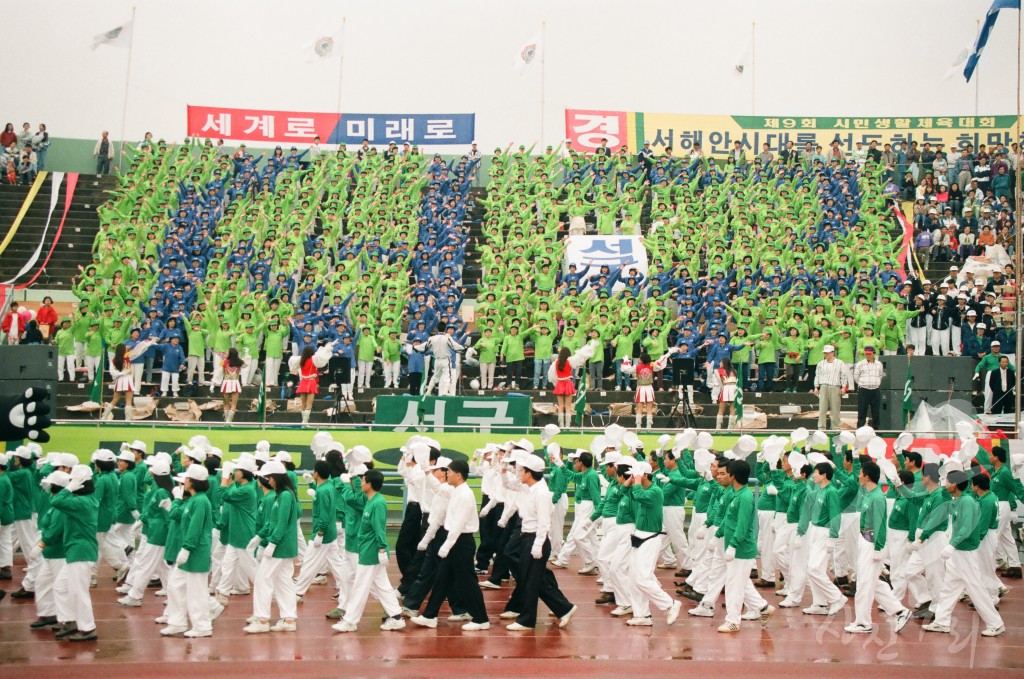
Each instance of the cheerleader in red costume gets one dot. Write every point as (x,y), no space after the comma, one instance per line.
(231,386)
(561,375)
(644,371)
(307,367)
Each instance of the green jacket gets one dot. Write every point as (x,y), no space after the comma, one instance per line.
(239,504)
(51,530)
(106,485)
(154,518)
(373,536)
(740,527)
(196,529)
(934,514)
(873,516)
(825,510)
(6,501)
(324,513)
(127,498)
(80,515)
(648,505)
(282,533)
(966,516)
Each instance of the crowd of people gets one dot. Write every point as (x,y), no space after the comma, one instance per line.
(804,519)
(23,154)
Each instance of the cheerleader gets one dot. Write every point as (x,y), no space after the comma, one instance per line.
(188,598)
(124,385)
(561,375)
(644,371)
(307,367)
(149,561)
(728,378)
(231,387)
(276,568)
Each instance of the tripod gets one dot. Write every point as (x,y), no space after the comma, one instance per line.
(682,379)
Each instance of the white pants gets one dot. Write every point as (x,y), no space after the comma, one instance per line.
(926,570)
(392,371)
(196,366)
(847,545)
(72,589)
(869,588)
(610,544)
(823,591)
(371,581)
(66,363)
(274,582)
(110,550)
(645,588)
(917,336)
(1006,548)
(986,564)
(188,600)
(698,554)
(962,574)
(716,572)
(46,602)
(316,559)
(28,537)
(740,592)
(218,368)
(938,340)
(675,548)
(6,546)
(799,549)
(237,569)
(121,535)
(557,529)
(365,370)
(79,353)
(487,375)
(766,543)
(300,539)
(248,371)
(443,377)
(149,561)
(92,364)
(273,369)
(349,561)
(137,369)
(216,557)
(896,549)
(578,540)
(782,544)
(168,379)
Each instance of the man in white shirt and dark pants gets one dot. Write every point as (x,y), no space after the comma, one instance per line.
(867,374)
(831,381)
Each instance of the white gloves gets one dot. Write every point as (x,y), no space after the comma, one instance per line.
(307,477)
(73,485)
(40,463)
(487,509)
(947,552)
(443,552)
(730,554)
(702,532)
(538,549)
(422,546)
(311,492)
(557,461)
(268,553)
(227,470)
(165,504)
(182,557)
(771,490)
(830,543)
(345,478)
(913,546)
(135,514)
(382,558)
(178,492)
(586,525)
(661,477)
(318,541)
(877,555)
(37,552)
(253,544)
(501,524)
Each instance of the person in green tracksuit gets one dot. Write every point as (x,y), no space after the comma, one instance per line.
(586,498)
(513,354)
(487,347)
(739,541)
(149,561)
(822,535)
(322,551)
(391,356)
(871,553)
(126,508)
(543,343)
(366,349)
(188,599)
(675,482)
(648,500)
(239,508)
(51,538)
(274,336)
(106,485)
(65,341)
(929,539)
(78,505)
(6,519)
(371,568)
(276,568)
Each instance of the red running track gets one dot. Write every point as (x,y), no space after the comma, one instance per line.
(792,646)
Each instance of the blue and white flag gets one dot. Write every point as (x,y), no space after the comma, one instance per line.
(986,29)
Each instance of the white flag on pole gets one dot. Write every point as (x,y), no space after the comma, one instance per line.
(323,48)
(529,53)
(119,36)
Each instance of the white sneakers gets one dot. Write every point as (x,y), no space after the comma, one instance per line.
(476,626)
(564,621)
(516,627)
(901,620)
(509,615)
(936,627)
(487,584)
(620,611)
(284,626)
(196,634)
(343,627)
(728,627)
(640,622)
(173,630)
(129,601)
(673,611)
(257,627)
(461,617)
(588,570)
(836,606)
(701,611)
(816,610)
(993,631)
(424,622)
(857,628)
(394,624)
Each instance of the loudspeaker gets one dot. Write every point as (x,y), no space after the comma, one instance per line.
(928,372)
(32,365)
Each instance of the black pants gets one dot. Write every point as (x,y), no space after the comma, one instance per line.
(490,534)
(413,571)
(1002,403)
(869,400)
(515,371)
(506,558)
(427,576)
(408,537)
(535,582)
(415,383)
(456,581)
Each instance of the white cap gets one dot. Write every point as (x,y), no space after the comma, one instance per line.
(554,451)
(104,455)
(263,446)
(359,455)
(442,463)
(996,342)
(64,460)
(703,440)
(981,325)
(358,470)
(641,468)
(80,473)
(272,467)
(525,444)
(197,454)
(57,479)
(161,468)
(575,455)
(126,455)
(283,456)
(138,445)
(828,349)
(613,457)
(196,472)
(926,282)
(972,312)
(25,453)
(4,457)
(261,455)
(246,463)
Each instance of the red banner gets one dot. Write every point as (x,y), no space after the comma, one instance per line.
(289,127)
(586,129)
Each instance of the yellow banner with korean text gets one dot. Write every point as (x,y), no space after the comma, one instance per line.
(716,134)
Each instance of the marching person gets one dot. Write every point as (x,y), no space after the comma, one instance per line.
(587,496)
(822,535)
(280,547)
(1008,491)
(188,598)
(239,505)
(926,569)
(78,505)
(323,550)
(149,561)
(51,546)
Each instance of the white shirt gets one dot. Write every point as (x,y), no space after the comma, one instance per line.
(460,515)
(414,479)
(535,509)
(868,375)
(832,374)
(439,510)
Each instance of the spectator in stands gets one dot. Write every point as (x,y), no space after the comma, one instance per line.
(46,317)
(27,166)
(103,152)
(25,136)
(40,143)
(8,137)
(831,382)
(1002,382)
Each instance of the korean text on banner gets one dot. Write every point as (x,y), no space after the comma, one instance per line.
(617,252)
(410,413)
(427,129)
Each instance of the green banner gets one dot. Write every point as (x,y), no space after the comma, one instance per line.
(408,413)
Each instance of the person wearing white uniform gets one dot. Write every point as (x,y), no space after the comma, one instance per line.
(587,496)
(443,348)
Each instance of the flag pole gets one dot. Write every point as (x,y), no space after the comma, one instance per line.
(341,62)
(753,66)
(977,87)
(543,49)
(127,78)
(1017,240)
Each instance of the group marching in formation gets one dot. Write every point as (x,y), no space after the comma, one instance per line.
(901,529)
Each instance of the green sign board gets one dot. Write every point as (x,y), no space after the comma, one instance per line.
(438,413)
